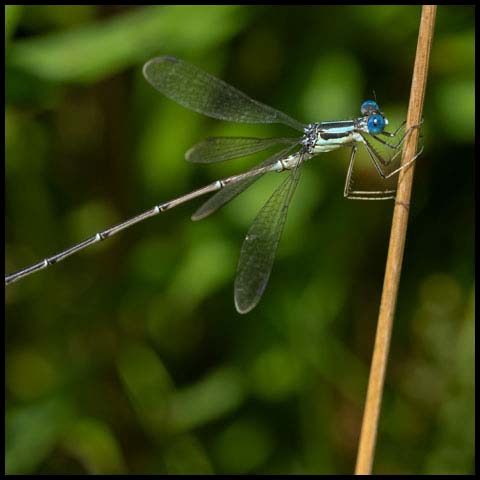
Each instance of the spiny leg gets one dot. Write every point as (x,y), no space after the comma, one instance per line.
(362,194)
(378,161)
(394,134)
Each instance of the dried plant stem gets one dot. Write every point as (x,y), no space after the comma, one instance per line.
(366,448)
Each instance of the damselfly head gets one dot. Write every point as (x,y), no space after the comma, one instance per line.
(376,120)
(376,123)
(368,107)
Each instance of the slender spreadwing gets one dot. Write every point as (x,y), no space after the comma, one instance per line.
(205,94)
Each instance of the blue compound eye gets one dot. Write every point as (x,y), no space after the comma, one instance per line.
(376,124)
(368,107)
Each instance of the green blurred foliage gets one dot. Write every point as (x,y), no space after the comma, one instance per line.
(130,357)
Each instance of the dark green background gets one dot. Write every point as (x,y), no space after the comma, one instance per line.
(130,356)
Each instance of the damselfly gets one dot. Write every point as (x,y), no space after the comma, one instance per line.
(203,93)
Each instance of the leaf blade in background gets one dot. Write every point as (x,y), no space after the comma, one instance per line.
(32,432)
(89,53)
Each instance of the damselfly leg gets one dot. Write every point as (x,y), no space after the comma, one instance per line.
(383,160)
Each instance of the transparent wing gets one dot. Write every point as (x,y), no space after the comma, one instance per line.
(260,245)
(229,192)
(199,91)
(217,149)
